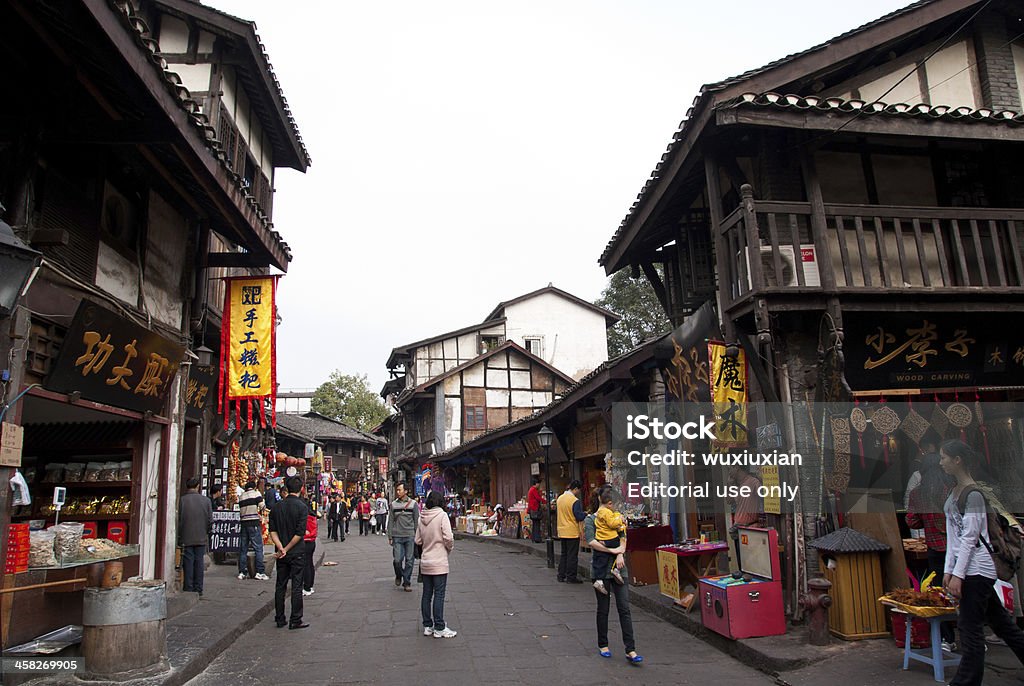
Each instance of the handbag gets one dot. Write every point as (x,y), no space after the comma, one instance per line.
(373,520)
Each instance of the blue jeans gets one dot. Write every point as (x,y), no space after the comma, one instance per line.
(403,547)
(251,537)
(194,563)
(434,586)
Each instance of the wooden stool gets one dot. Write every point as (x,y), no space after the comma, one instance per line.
(932,656)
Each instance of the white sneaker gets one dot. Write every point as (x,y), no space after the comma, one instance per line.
(305,592)
(948,646)
(262,577)
(446,633)
(428,631)
(241,577)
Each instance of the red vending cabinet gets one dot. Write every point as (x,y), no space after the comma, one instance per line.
(746,609)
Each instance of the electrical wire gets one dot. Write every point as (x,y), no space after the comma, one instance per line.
(913,71)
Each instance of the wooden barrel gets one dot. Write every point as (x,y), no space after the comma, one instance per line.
(123,634)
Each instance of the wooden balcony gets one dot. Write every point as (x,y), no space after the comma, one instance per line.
(869,250)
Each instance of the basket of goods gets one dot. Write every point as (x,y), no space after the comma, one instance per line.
(929,601)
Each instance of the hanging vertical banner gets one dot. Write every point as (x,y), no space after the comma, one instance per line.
(248,370)
(728,380)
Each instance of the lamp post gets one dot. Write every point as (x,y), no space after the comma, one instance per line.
(17,264)
(545,436)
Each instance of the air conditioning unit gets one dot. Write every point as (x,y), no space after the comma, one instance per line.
(808,260)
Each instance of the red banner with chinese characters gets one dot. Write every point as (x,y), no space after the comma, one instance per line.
(248,369)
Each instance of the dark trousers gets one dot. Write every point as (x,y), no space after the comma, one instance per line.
(251,538)
(309,571)
(535,528)
(432,603)
(289,568)
(403,549)
(980,605)
(382,523)
(348,520)
(364,527)
(604,602)
(333,528)
(569,562)
(193,561)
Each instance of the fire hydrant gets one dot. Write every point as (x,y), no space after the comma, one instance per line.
(816,603)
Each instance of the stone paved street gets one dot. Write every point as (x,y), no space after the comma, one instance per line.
(516,626)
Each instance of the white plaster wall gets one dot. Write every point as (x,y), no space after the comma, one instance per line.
(497,378)
(195,77)
(449,347)
(520,379)
(452,385)
(228,87)
(950,81)
(117,275)
(165,261)
(206,40)
(150,516)
(242,114)
(173,35)
(497,398)
(909,91)
(473,376)
(575,337)
(1018,65)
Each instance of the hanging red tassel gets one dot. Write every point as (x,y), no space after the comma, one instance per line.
(273,353)
(263,413)
(248,409)
(223,402)
(238,414)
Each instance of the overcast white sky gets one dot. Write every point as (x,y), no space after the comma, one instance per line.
(467,152)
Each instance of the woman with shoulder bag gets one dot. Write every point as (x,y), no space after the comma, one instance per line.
(435,536)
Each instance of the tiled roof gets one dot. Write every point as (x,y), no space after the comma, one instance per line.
(704,94)
(862,107)
(325,429)
(847,540)
(144,38)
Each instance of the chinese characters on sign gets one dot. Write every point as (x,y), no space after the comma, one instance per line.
(226,531)
(935,350)
(248,361)
(728,395)
(112,360)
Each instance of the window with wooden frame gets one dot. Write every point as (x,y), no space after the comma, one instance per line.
(475,418)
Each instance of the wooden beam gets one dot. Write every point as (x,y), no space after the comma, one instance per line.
(723,261)
(878,124)
(659,288)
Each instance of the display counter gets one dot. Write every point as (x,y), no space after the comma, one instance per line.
(681,567)
(641,556)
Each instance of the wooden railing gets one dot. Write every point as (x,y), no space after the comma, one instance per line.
(869,248)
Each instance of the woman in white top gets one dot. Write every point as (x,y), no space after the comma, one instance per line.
(970,573)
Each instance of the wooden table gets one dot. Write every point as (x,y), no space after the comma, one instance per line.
(691,563)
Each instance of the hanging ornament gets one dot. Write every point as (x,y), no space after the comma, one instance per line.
(914,425)
(886,421)
(859,421)
(940,422)
(981,426)
(960,417)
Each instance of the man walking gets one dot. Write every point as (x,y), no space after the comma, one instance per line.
(336,513)
(195,523)
(380,511)
(405,517)
(287,529)
(570,514)
(251,533)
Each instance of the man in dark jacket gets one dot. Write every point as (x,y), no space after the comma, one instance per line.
(336,513)
(287,529)
(195,522)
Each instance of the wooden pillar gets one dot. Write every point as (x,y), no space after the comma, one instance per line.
(723,260)
(818,222)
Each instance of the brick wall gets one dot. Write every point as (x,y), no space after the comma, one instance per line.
(995,63)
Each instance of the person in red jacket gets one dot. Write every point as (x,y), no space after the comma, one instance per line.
(534,501)
(308,575)
(363,511)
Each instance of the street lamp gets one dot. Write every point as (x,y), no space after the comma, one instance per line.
(545,436)
(17,264)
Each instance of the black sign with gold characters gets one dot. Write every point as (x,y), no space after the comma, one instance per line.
(934,350)
(683,357)
(200,391)
(112,360)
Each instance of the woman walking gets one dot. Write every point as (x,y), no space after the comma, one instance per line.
(435,535)
(380,511)
(309,548)
(364,509)
(610,582)
(970,572)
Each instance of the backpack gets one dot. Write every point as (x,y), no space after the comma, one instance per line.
(1005,545)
